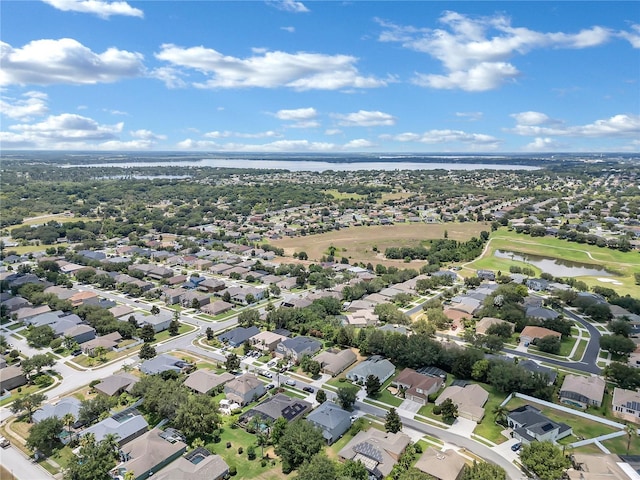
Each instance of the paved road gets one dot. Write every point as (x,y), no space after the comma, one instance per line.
(477,448)
(592,351)
(21,467)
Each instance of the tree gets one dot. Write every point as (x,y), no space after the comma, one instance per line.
(321,396)
(155,310)
(28,404)
(353,470)
(36,363)
(147,351)
(209,333)
(198,416)
(617,344)
(372,385)
(347,396)
(493,342)
(320,467)
(483,471)
(300,441)
(620,327)
(232,363)
(174,327)
(631,431)
(92,408)
(44,434)
(625,376)
(68,420)
(250,298)
(500,413)
(94,460)
(449,410)
(392,422)
(195,304)
(545,460)
(147,333)
(248,318)
(278,428)
(40,336)
(549,344)
(100,353)
(303,255)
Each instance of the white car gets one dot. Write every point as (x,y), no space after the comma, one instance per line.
(291,382)
(4,443)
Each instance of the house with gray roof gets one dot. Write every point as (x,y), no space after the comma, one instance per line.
(203,381)
(244,389)
(279,405)
(528,424)
(297,347)
(582,391)
(441,465)
(159,322)
(11,377)
(163,363)
(331,419)
(80,333)
(64,323)
(375,365)
(127,425)
(334,362)
(198,464)
(237,336)
(116,384)
(541,313)
(59,410)
(378,451)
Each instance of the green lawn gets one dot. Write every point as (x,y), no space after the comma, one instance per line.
(582,346)
(619,445)
(488,428)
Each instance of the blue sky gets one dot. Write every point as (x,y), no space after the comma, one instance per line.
(329,77)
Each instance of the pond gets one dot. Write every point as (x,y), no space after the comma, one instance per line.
(556,266)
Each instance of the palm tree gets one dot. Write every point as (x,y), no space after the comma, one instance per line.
(631,431)
(500,412)
(68,420)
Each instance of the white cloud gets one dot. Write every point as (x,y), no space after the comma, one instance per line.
(476,52)
(46,62)
(288,29)
(332,131)
(33,104)
(266,69)
(471,116)
(364,118)
(277,146)
(146,135)
(97,7)
(615,127)
(544,145)
(117,112)
(228,134)
(297,114)
(359,143)
(533,118)
(477,140)
(633,36)
(288,6)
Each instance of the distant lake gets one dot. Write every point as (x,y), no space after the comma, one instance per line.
(556,266)
(311,165)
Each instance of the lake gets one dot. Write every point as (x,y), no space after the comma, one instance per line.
(556,266)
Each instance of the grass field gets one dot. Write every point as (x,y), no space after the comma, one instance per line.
(624,263)
(357,243)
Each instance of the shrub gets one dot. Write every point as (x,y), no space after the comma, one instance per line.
(437,410)
(43,380)
(418,448)
(228,444)
(251,453)
(240,450)
(342,379)
(263,463)
(233,471)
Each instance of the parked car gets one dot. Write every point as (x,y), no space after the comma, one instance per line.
(291,382)
(308,389)
(4,443)
(270,386)
(516,446)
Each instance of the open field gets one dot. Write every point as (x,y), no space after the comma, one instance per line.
(357,243)
(624,263)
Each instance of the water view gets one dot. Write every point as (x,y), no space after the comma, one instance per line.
(556,266)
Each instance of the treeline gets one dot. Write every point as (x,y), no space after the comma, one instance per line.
(442,250)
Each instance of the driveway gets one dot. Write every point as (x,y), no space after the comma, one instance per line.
(409,407)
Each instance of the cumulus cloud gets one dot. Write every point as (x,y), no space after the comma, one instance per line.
(359,143)
(301,117)
(364,118)
(477,140)
(471,116)
(288,6)
(146,135)
(618,126)
(264,69)
(632,36)
(32,104)
(533,118)
(228,134)
(96,7)
(476,51)
(332,131)
(276,146)
(288,29)
(46,62)
(544,145)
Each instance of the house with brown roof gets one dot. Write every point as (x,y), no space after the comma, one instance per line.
(533,332)
(378,451)
(203,381)
(582,391)
(81,297)
(11,377)
(361,318)
(441,465)
(469,399)
(334,362)
(596,467)
(216,308)
(244,389)
(198,464)
(266,341)
(485,323)
(626,404)
(417,386)
(116,384)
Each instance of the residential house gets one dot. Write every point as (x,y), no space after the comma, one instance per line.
(163,363)
(65,323)
(361,318)
(216,308)
(626,404)
(203,381)
(375,365)
(147,454)
(528,424)
(26,313)
(599,467)
(401,329)
(537,284)
(541,313)
(15,303)
(159,322)
(272,408)
(116,384)
(212,285)
(266,341)
(198,464)
(378,451)
(485,323)
(486,275)
(80,298)
(47,318)
(68,405)
(80,333)
(530,333)
(441,465)
(582,391)
(296,302)
(334,362)
(237,336)
(198,298)
(109,341)
(120,311)
(244,389)
(469,399)
(417,386)
(297,347)
(11,377)
(331,419)
(127,425)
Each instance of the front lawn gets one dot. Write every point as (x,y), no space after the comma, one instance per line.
(488,428)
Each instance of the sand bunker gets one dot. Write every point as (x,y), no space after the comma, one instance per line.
(609,280)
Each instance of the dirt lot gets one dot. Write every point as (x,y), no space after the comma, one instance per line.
(357,243)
